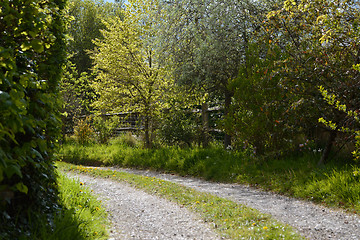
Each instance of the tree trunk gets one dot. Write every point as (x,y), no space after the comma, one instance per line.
(147,132)
(205,124)
(228,96)
(328,147)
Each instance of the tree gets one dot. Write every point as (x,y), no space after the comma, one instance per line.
(320,39)
(130,77)
(85,25)
(76,94)
(205,42)
(257,116)
(85,20)
(32,52)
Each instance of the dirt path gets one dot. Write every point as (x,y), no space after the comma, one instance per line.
(138,215)
(312,221)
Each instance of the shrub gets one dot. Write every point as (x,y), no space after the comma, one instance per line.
(104,129)
(83,131)
(177,128)
(129,140)
(32,52)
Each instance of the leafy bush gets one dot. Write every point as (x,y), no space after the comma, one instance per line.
(178,128)
(259,118)
(128,139)
(76,94)
(83,132)
(104,128)
(32,54)
(351,118)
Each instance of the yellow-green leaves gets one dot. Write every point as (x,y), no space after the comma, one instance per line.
(21,187)
(37,45)
(288,4)
(130,77)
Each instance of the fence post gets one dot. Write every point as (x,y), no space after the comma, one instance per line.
(205,124)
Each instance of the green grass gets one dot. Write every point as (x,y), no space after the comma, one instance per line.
(80,218)
(230,219)
(90,216)
(336,184)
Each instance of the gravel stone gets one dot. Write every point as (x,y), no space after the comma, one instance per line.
(311,220)
(135,214)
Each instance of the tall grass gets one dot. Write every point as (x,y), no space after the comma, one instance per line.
(87,211)
(334,184)
(80,217)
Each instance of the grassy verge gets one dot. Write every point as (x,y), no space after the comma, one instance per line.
(335,184)
(90,217)
(80,218)
(232,220)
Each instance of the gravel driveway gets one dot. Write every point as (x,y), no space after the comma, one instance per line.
(138,215)
(312,221)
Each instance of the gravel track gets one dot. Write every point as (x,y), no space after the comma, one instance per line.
(311,220)
(143,216)
(137,215)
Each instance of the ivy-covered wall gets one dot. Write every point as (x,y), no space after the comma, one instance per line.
(32,52)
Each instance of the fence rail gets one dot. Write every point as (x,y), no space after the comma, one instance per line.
(132,121)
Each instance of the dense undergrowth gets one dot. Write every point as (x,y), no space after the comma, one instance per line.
(335,184)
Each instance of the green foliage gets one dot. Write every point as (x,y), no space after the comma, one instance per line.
(259,118)
(104,128)
(319,45)
(352,119)
(207,50)
(205,44)
(83,132)
(178,128)
(85,24)
(77,95)
(32,52)
(130,77)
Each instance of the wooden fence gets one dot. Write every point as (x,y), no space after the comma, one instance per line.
(133,121)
